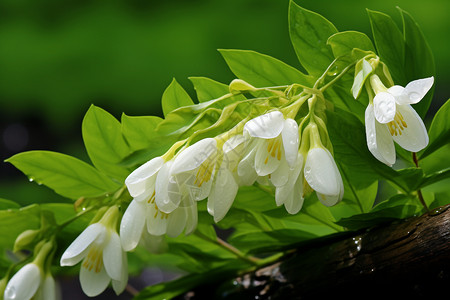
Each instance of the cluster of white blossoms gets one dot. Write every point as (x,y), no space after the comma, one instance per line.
(389,117)
(271,149)
(267,149)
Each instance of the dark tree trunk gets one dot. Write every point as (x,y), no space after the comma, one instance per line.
(408,259)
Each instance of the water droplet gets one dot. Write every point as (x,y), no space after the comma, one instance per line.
(414,96)
(10,292)
(307,170)
(30,179)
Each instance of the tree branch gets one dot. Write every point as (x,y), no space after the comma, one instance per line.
(408,259)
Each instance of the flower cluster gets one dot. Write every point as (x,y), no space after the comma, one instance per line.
(266,149)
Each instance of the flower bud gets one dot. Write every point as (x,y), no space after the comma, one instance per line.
(25,239)
(238,85)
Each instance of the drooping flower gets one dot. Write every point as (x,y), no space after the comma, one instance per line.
(391,118)
(34,280)
(104,260)
(25,283)
(322,175)
(147,184)
(193,172)
(291,194)
(273,147)
(225,185)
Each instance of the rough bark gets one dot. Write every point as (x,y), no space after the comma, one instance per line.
(408,259)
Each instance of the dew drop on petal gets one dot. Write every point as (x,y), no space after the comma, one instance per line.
(414,96)
(10,292)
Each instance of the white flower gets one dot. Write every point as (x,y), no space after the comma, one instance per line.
(47,290)
(25,283)
(323,176)
(103,258)
(391,118)
(273,147)
(291,194)
(148,184)
(225,185)
(193,171)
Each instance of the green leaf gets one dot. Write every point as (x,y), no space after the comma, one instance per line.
(343,43)
(14,222)
(309,33)
(140,132)
(262,70)
(419,59)
(397,207)
(208,89)
(435,177)
(174,97)
(7,204)
(66,175)
(390,44)
(102,135)
(439,132)
(171,289)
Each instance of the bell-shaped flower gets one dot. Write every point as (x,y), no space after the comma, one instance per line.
(225,185)
(274,146)
(322,175)
(191,175)
(391,118)
(291,194)
(25,283)
(34,280)
(104,260)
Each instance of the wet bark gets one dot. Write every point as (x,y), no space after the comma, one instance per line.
(408,259)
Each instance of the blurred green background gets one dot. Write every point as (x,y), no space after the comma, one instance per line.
(58,57)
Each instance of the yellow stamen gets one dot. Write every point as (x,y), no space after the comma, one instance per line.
(94,259)
(204,172)
(152,198)
(398,125)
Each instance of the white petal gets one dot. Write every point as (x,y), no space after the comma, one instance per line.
(290,140)
(379,140)
(47,291)
(266,126)
(156,221)
(294,202)
(192,218)
(417,89)
(193,156)
(328,200)
(295,177)
(399,94)
(233,150)
(24,284)
(120,285)
(384,107)
(93,283)
(223,193)
(143,177)
(281,175)
(77,250)
(320,172)
(112,256)
(414,137)
(265,162)
(132,225)
(246,169)
(177,222)
(166,200)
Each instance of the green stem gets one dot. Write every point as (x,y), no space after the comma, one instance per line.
(419,191)
(323,88)
(239,254)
